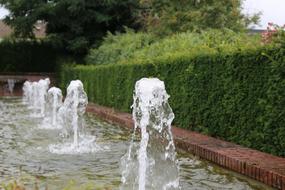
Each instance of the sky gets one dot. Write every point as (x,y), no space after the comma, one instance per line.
(3,12)
(272,11)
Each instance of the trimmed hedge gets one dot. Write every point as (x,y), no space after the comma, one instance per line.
(27,56)
(239,97)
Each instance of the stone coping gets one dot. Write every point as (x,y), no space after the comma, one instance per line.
(257,165)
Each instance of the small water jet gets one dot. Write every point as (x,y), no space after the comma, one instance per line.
(54,101)
(35,95)
(2,108)
(43,86)
(27,92)
(11,85)
(72,121)
(34,104)
(152,163)
(73,108)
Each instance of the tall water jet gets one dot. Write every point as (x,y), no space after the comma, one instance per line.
(74,107)
(2,108)
(27,92)
(54,101)
(35,95)
(43,86)
(72,121)
(35,104)
(30,94)
(11,85)
(152,163)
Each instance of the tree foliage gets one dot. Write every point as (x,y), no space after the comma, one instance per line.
(121,46)
(168,16)
(76,24)
(142,47)
(28,56)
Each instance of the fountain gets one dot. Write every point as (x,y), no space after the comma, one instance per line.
(27,92)
(35,95)
(152,163)
(73,108)
(70,116)
(11,85)
(2,108)
(54,101)
(43,86)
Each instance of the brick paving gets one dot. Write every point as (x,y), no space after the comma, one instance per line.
(257,165)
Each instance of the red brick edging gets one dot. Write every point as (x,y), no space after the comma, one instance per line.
(257,165)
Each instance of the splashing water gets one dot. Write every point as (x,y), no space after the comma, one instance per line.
(54,101)
(2,108)
(27,92)
(85,146)
(35,95)
(71,119)
(152,163)
(11,85)
(74,107)
(43,86)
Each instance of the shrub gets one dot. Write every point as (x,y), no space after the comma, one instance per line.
(140,47)
(234,95)
(118,47)
(274,34)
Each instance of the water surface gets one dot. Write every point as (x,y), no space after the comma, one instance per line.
(25,157)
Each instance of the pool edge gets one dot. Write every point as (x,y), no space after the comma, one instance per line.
(263,167)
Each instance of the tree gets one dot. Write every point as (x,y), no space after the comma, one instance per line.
(75,24)
(168,16)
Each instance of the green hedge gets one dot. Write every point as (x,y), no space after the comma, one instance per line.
(239,97)
(133,47)
(27,56)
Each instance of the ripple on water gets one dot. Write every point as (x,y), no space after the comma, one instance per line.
(86,145)
(31,154)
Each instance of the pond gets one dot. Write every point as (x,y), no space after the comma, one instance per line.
(25,156)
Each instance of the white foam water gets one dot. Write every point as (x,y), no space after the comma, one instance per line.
(73,109)
(70,116)
(43,86)
(2,108)
(86,145)
(35,96)
(54,101)
(27,92)
(11,85)
(152,163)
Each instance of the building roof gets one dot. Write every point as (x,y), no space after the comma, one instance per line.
(39,31)
(256,31)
